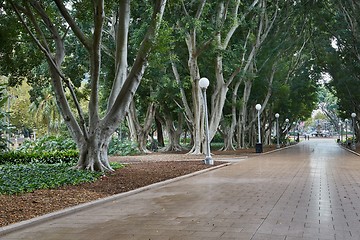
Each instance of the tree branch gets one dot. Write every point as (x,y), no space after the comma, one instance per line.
(47,53)
(95,62)
(134,77)
(74,27)
(188,112)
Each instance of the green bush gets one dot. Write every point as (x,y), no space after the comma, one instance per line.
(59,143)
(217,138)
(49,149)
(20,178)
(122,147)
(15,157)
(48,144)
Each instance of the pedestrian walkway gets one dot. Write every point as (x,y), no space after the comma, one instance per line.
(309,191)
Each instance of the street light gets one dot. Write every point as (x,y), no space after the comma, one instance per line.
(277,130)
(340,132)
(353,145)
(287,130)
(258,144)
(203,84)
(346,122)
(294,123)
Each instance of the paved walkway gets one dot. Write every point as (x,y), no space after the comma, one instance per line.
(309,191)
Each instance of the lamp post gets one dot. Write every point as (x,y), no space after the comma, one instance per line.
(294,123)
(203,84)
(346,122)
(353,145)
(258,144)
(287,130)
(277,130)
(340,134)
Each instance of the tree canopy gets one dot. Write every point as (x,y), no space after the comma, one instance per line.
(92,56)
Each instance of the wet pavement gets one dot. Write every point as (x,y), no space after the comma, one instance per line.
(308,191)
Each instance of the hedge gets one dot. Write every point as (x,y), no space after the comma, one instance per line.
(69,156)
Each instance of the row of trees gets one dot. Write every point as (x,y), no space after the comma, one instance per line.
(339,22)
(256,51)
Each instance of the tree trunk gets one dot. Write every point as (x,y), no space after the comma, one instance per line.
(142,132)
(227,135)
(160,134)
(243,117)
(197,130)
(93,154)
(174,133)
(231,132)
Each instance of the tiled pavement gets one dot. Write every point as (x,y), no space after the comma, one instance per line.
(309,191)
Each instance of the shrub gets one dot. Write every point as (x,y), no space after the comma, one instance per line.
(49,149)
(20,178)
(48,144)
(122,147)
(15,157)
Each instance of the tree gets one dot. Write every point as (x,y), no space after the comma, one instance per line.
(208,29)
(337,51)
(328,105)
(46,111)
(51,25)
(4,124)
(20,117)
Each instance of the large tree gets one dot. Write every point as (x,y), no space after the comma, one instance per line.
(208,29)
(336,39)
(56,26)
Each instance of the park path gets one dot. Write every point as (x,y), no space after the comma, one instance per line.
(308,191)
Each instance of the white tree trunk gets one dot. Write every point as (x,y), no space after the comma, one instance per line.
(174,133)
(142,132)
(197,114)
(121,38)
(243,115)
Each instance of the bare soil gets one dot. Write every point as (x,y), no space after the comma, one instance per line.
(140,171)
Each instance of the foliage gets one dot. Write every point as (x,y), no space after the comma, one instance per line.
(46,111)
(81,43)
(328,105)
(337,52)
(22,178)
(19,101)
(3,115)
(122,147)
(16,157)
(298,49)
(48,144)
(59,149)
(48,149)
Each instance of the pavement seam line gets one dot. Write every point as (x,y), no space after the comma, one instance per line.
(272,208)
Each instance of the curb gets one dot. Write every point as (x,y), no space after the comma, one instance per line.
(278,149)
(349,150)
(67,211)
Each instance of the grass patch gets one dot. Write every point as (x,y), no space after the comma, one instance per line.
(21,178)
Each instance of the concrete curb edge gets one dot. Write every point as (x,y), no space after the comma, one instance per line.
(349,150)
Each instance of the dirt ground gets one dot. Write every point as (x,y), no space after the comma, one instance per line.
(140,171)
